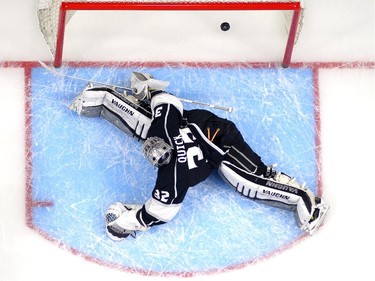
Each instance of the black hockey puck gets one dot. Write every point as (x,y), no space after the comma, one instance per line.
(225,26)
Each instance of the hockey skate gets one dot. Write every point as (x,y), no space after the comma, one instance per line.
(320,208)
(317,218)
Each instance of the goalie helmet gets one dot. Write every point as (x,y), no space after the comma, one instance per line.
(157,151)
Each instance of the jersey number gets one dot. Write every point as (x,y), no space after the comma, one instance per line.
(161,195)
(187,155)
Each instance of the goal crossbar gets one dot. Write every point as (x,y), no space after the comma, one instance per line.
(294,6)
(187,6)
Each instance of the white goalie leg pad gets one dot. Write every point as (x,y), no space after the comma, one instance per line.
(121,110)
(306,205)
(130,118)
(242,185)
(270,191)
(89,102)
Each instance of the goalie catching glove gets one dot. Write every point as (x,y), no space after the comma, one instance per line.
(121,221)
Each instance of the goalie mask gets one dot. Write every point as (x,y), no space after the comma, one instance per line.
(157,151)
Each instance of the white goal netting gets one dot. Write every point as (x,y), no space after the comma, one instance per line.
(49,11)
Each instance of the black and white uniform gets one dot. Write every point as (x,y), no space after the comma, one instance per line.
(202,142)
(193,160)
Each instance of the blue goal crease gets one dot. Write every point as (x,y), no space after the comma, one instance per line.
(84,164)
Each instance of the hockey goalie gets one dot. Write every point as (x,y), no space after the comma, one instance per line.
(186,146)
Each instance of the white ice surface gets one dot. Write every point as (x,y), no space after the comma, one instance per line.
(333,31)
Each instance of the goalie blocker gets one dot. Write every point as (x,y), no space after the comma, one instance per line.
(238,165)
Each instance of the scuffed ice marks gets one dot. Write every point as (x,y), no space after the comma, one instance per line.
(83,165)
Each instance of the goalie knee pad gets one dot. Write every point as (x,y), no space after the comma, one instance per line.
(273,188)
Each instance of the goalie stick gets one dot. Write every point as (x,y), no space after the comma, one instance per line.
(129,90)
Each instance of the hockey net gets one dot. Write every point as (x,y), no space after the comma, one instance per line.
(53,15)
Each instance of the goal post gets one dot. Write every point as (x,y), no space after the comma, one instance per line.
(53,15)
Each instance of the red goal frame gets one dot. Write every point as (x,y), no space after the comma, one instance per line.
(179,6)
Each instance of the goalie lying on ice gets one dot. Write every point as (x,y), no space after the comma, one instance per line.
(186,146)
